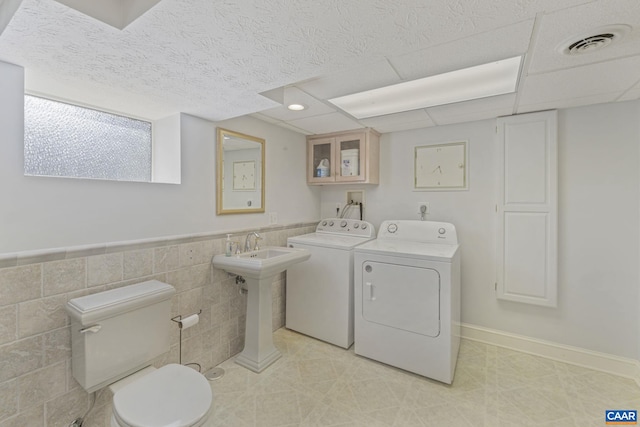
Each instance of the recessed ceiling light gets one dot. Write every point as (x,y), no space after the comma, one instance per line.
(494,78)
(296,107)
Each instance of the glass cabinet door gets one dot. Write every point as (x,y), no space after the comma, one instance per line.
(350,157)
(321,163)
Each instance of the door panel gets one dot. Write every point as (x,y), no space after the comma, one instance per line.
(527,209)
(401,297)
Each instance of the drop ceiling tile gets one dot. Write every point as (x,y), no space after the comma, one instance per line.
(295,129)
(350,81)
(630,95)
(482,108)
(561,26)
(475,116)
(333,122)
(397,127)
(295,95)
(265,118)
(568,103)
(612,76)
(398,118)
(498,44)
(116,13)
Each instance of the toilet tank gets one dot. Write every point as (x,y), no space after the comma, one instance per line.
(117,332)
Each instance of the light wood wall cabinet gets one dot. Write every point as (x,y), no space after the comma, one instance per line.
(344,157)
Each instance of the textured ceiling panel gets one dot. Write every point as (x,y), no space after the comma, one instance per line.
(475,116)
(333,122)
(502,43)
(601,78)
(213,58)
(295,95)
(563,25)
(478,109)
(116,13)
(630,95)
(569,102)
(353,80)
(7,9)
(383,123)
(394,127)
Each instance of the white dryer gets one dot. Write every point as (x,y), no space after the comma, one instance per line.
(407,297)
(319,300)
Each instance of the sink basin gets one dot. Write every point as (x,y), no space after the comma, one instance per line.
(259,269)
(262,263)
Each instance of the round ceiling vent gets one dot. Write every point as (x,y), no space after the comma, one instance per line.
(593,40)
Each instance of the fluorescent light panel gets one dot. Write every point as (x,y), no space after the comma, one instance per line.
(494,78)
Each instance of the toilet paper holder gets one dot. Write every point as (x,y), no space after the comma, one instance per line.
(178,319)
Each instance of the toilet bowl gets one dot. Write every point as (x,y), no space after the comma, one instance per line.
(173,395)
(137,319)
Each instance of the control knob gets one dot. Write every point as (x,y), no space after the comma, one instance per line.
(441,230)
(392,228)
(343,224)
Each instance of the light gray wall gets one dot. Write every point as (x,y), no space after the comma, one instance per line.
(598,225)
(40,213)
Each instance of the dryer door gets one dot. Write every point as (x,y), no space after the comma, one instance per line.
(401,297)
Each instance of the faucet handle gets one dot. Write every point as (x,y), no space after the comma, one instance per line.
(257,246)
(238,251)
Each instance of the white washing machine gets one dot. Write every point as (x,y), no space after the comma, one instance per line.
(407,298)
(320,290)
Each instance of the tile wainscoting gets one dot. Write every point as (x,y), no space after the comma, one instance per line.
(36,385)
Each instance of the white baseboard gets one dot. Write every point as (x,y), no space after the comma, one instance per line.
(616,365)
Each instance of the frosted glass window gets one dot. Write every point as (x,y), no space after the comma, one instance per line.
(71,141)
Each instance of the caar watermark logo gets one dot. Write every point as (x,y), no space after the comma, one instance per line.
(621,417)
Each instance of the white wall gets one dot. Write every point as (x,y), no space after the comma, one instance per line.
(598,225)
(40,213)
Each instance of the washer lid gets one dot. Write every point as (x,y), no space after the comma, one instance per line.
(173,395)
(329,240)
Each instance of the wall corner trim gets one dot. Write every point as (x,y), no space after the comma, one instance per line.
(616,365)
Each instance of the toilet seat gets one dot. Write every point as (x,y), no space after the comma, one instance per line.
(173,395)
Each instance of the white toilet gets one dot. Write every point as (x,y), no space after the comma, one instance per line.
(115,335)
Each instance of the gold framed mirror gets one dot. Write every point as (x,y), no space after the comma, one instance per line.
(240,173)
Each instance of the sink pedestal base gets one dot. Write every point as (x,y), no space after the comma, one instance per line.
(259,351)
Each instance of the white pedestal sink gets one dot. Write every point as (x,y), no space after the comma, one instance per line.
(259,268)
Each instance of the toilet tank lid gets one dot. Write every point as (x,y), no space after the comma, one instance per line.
(91,308)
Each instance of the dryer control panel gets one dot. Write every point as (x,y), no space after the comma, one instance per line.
(346,227)
(419,231)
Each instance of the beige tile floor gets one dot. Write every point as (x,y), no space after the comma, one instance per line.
(317,384)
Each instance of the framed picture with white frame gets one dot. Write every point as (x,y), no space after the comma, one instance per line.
(441,167)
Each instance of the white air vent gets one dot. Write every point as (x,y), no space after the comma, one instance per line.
(593,40)
(590,44)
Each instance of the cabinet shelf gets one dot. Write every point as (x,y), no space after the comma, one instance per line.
(343,157)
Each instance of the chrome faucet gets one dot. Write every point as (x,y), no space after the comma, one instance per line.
(247,241)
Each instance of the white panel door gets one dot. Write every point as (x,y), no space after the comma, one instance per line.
(527,208)
(401,297)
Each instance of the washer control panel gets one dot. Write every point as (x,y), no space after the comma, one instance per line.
(347,227)
(419,231)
